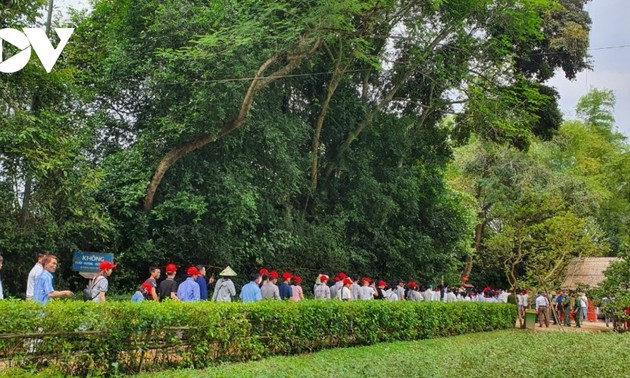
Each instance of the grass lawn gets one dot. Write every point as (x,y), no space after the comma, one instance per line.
(513,353)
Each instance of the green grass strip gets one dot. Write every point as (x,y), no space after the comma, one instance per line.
(511,353)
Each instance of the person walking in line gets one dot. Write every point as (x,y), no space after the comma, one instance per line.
(251,291)
(269,289)
(37,269)
(366,292)
(139,295)
(201,281)
(99,284)
(188,291)
(584,307)
(154,275)
(224,289)
(298,293)
(566,308)
(523,302)
(559,309)
(338,284)
(380,290)
(168,288)
(285,289)
(44,291)
(413,294)
(345,294)
(542,308)
(400,290)
(322,291)
(356,288)
(577,311)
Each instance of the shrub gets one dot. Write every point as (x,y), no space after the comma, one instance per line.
(87,337)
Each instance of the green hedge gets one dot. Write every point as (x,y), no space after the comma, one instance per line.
(85,337)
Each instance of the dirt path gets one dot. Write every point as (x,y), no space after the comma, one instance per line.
(586,326)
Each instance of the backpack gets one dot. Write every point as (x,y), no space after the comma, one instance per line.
(87,292)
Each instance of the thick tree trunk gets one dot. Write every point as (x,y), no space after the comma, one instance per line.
(26,199)
(332,87)
(477,246)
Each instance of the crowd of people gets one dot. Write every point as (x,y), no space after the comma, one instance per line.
(559,309)
(269,284)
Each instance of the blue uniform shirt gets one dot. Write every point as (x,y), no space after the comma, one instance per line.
(286,291)
(188,290)
(251,292)
(203,287)
(43,287)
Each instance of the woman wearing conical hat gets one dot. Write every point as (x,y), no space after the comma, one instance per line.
(224,289)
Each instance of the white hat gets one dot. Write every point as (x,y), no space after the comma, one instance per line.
(228,272)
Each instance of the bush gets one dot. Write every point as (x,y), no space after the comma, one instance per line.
(87,337)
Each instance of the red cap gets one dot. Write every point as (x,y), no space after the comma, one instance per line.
(297,279)
(412,285)
(263,270)
(382,283)
(323,278)
(147,286)
(192,271)
(337,279)
(273,274)
(171,268)
(342,275)
(347,281)
(366,279)
(104,265)
(286,276)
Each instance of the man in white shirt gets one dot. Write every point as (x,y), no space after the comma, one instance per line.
(437,294)
(450,296)
(356,289)
(390,294)
(503,296)
(428,294)
(542,307)
(584,307)
(523,302)
(37,269)
(366,293)
(400,290)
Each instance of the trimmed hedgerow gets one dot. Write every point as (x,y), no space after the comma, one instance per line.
(86,337)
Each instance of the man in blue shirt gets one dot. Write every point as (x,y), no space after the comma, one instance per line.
(251,292)
(201,281)
(44,290)
(188,290)
(286,291)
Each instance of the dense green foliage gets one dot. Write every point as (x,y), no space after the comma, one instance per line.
(306,136)
(83,337)
(562,198)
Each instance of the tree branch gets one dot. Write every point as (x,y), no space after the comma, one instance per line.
(258,82)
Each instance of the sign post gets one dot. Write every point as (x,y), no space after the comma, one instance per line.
(86,263)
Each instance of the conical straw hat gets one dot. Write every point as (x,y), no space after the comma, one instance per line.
(228,272)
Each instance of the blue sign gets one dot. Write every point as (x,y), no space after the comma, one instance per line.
(88,261)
